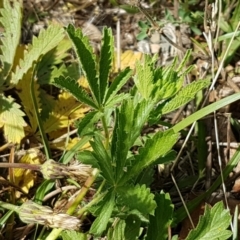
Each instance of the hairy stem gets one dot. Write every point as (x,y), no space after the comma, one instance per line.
(38,118)
(106,132)
(9,206)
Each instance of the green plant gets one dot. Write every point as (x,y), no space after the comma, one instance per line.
(123,206)
(228,23)
(209,227)
(124,197)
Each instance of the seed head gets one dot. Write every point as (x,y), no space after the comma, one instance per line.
(54,170)
(31,212)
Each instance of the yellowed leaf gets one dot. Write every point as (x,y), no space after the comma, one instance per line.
(74,141)
(11,119)
(128,59)
(23,91)
(1,122)
(66,110)
(83,83)
(62,145)
(58,134)
(19,55)
(24,178)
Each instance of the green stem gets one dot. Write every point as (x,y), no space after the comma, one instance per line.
(38,118)
(83,191)
(9,206)
(40,237)
(97,198)
(106,132)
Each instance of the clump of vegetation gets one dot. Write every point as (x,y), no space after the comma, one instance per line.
(114,172)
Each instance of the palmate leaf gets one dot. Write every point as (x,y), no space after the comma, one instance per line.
(155,147)
(11,119)
(144,78)
(121,134)
(129,121)
(119,98)
(185,95)
(117,231)
(117,84)
(46,41)
(70,85)
(86,57)
(100,223)
(168,83)
(103,158)
(96,208)
(11,19)
(157,83)
(105,63)
(87,157)
(182,97)
(160,222)
(132,229)
(213,224)
(86,124)
(142,111)
(137,197)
